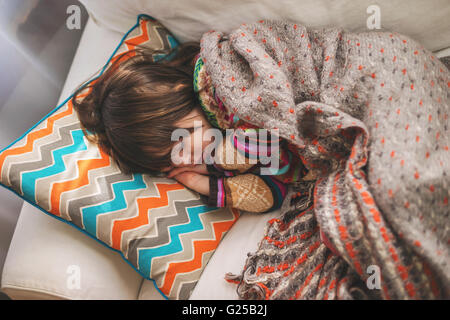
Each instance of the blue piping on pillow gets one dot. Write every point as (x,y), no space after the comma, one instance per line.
(56,109)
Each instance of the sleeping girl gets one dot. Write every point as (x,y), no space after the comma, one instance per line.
(134,108)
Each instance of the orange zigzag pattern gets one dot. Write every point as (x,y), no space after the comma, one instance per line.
(31,137)
(144,204)
(200,247)
(28,147)
(84,166)
(133,43)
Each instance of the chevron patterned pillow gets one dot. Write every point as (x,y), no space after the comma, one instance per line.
(165,231)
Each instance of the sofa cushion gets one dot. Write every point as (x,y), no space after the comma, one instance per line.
(425,21)
(48,259)
(164,230)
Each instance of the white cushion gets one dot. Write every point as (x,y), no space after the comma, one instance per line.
(424,21)
(49,259)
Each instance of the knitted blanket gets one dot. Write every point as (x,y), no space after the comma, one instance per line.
(368,113)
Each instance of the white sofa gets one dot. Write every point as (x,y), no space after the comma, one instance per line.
(46,255)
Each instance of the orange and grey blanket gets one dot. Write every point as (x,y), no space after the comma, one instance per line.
(369,115)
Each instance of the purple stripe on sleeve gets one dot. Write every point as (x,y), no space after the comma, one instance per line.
(220,192)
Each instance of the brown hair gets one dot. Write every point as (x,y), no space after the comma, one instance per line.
(135,103)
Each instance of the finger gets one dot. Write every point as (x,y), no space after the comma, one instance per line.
(194,181)
(176,171)
(186,178)
(201,168)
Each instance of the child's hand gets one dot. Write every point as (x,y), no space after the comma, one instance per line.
(194,181)
(199,168)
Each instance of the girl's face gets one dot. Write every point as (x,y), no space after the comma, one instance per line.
(193,122)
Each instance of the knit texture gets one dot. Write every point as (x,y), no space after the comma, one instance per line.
(369,113)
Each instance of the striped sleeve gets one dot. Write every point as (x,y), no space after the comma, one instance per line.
(247,192)
(217,196)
